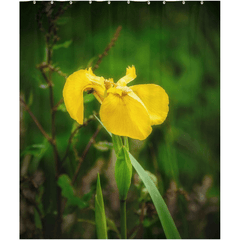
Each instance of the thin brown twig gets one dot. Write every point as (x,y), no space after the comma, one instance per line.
(91,141)
(109,46)
(45,76)
(36,121)
(57,104)
(57,70)
(52,68)
(71,137)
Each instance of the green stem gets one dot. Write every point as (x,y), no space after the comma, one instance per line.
(126,144)
(123,219)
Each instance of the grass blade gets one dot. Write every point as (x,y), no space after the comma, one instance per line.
(102,124)
(100,217)
(167,222)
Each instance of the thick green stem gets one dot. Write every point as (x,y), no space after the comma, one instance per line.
(123,219)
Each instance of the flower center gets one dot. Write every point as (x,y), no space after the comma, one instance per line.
(114,88)
(125,90)
(109,83)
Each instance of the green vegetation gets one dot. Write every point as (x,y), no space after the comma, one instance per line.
(175,46)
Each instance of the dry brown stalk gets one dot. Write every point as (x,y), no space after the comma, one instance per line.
(72,135)
(109,46)
(91,141)
(36,121)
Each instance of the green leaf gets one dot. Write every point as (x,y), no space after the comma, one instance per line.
(37,219)
(103,146)
(123,172)
(38,151)
(62,107)
(66,44)
(102,124)
(126,144)
(100,217)
(117,143)
(144,194)
(86,197)
(167,222)
(68,192)
(112,226)
(33,149)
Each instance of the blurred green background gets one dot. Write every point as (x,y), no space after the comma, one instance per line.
(176,46)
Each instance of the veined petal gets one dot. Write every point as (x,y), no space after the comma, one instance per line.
(98,81)
(114,90)
(155,99)
(125,116)
(130,75)
(75,84)
(135,96)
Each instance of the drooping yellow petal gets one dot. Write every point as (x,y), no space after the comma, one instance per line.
(125,116)
(95,80)
(75,84)
(130,75)
(155,99)
(97,85)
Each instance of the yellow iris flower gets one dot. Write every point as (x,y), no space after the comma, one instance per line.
(125,111)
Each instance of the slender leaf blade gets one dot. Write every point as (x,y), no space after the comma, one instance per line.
(102,124)
(168,224)
(112,226)
(100,217)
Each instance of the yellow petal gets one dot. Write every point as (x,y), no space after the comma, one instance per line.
(97,85)
(73,89)
(130,75)
(155,99)
(125,116)
(95,80)
(114,90)
(75,84)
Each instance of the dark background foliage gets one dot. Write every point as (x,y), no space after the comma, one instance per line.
(176,46)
